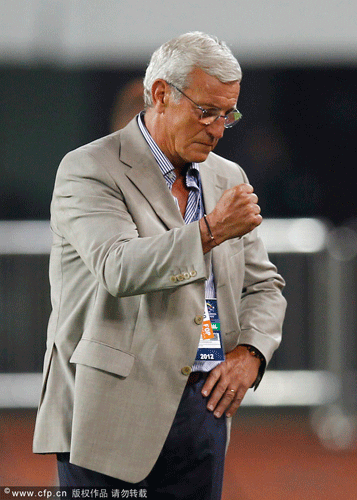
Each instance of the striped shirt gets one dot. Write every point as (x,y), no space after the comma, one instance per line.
(194,209)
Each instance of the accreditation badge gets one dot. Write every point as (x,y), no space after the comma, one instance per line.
(210,346)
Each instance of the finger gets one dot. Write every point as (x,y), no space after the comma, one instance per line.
(221,398)
(226,401)
(234,407)
(218,393)
(258,219)
(210,382)
(254,198)
(228,405)
(247,188)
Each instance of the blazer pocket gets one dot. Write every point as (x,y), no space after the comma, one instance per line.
(103,357)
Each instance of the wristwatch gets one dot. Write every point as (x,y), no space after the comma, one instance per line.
(257,354)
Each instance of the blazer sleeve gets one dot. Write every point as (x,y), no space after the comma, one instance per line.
(262,306)
(89,213)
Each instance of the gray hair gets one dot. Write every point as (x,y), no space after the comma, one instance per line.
(175,59)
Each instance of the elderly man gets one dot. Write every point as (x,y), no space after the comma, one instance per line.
(166,308)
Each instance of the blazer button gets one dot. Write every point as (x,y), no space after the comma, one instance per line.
(173,279)
(186,276)
(193,274)
(198,319)
(180,277)
(186,370)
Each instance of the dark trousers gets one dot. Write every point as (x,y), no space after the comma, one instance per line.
(191,463)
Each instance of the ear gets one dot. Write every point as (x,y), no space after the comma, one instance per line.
(160,93)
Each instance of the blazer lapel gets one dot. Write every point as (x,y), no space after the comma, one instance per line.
(144,172)
(213,186)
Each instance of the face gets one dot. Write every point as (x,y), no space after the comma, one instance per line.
(180,134)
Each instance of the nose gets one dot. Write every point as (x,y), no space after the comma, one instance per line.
(216,128)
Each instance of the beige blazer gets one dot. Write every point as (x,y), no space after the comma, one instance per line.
(127,288)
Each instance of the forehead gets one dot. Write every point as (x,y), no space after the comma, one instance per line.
(209,89)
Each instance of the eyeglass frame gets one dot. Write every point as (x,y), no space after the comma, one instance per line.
(205,111)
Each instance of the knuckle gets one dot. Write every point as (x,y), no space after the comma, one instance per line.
(214,375)
(221,387)
(244,188)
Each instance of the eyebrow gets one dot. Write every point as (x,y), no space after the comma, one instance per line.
(208,106)
(211,106)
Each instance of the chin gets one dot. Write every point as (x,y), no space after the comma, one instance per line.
(200,155)
(197,158)
(202,158)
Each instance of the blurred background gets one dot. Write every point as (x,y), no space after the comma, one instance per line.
(70,72)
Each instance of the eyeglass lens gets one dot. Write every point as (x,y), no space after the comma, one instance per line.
(210,116)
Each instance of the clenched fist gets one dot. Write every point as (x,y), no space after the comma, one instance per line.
(236,213)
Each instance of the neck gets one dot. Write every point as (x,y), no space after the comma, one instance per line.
(153,123)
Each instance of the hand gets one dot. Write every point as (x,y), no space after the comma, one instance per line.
(236,213)
(228,383)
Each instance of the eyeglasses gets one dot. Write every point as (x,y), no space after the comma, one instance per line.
(209,116)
